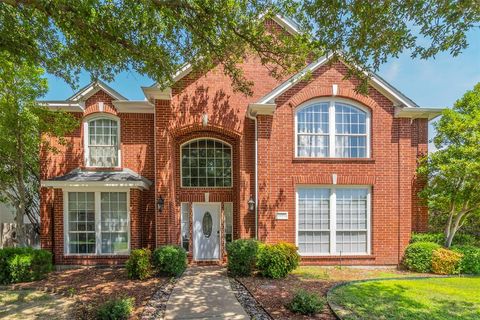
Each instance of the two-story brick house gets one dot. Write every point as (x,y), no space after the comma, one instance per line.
(308,161)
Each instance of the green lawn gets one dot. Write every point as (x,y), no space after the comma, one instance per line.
(29,305)
(348,273)
(434,298)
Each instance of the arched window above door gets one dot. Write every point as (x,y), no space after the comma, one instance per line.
(206,163)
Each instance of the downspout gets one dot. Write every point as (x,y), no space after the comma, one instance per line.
(254,118)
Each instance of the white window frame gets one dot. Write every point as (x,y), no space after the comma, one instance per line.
(206,187)
(98,223)
(331,125)
(333,218)
(86,138)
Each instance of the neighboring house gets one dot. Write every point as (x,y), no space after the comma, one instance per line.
(197,165)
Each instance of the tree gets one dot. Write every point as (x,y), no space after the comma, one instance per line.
(453,171)
(155,37)
(22,125)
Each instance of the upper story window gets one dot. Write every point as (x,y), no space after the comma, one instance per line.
(206,163)
(332,128)
(102,142)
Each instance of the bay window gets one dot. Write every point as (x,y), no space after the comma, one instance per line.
(333,220)
(333,128)
(97,223)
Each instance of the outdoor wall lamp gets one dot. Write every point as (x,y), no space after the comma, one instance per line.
(160,204)
(251,204)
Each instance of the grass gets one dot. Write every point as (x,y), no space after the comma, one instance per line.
(346,273)
(30,304)
(422,299)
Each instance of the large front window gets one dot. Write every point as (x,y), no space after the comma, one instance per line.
(102,143)
(97,223)
(334,129)
(206,163)
(333,220)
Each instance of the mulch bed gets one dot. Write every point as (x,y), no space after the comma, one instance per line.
(90,287)
(274,295)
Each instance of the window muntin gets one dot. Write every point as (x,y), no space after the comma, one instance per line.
(185,225)
(114,222)
(333,220)
(206,163)
(350,131)
(228,223)
(314,220)
(97,223)
(81,222)
(333,128)
(103,138)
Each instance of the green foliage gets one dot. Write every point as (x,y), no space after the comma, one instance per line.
(242,256)
(418,256)
(115,36)
(470,263)
(446,261)
(23,127)
(307,303)
(277,260)
(452,172)
(171,260)
(438,237)
(117,309)
(24,264)
(139,264)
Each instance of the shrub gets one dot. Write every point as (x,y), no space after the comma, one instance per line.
(277,260)
(171,260)
(139,265)
(446,261)
(418,256)
(460,239)
(470,263)
(117,309)
(307,303)
(242,256)
(24,264)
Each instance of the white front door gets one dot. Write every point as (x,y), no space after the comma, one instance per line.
(206,231)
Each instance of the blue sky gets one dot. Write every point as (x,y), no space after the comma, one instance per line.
(437,82)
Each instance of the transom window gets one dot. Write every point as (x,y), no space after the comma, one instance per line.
(333,220)
(97,223)
(102,142)
(206,163)
(334,129)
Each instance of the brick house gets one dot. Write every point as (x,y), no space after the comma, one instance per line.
(310,162)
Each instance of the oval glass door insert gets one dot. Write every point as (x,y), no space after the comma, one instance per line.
(207,224)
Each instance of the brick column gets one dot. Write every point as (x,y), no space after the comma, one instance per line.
(46,219)
(135,220)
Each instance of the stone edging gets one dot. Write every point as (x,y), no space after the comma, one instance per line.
(339,312)
(157,305)
(251,306)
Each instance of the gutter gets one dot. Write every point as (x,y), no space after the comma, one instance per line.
(254,118)
(255,109)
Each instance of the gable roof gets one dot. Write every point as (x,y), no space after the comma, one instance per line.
(92,88)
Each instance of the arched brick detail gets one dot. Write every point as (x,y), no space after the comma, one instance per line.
(92,106)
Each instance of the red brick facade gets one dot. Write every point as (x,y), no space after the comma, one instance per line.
(150,146)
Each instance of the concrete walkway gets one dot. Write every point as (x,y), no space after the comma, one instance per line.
(204,293)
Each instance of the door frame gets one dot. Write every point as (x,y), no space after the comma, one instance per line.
(220,229)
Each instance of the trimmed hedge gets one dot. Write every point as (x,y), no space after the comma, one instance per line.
(306,303)
(117,309)
(470,263)
(242,256)
(24,264)
(418,256)
(170,260)
(460,239)
(277,260)
(139,265)
(446,261)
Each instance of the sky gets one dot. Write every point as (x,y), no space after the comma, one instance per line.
(437,82)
